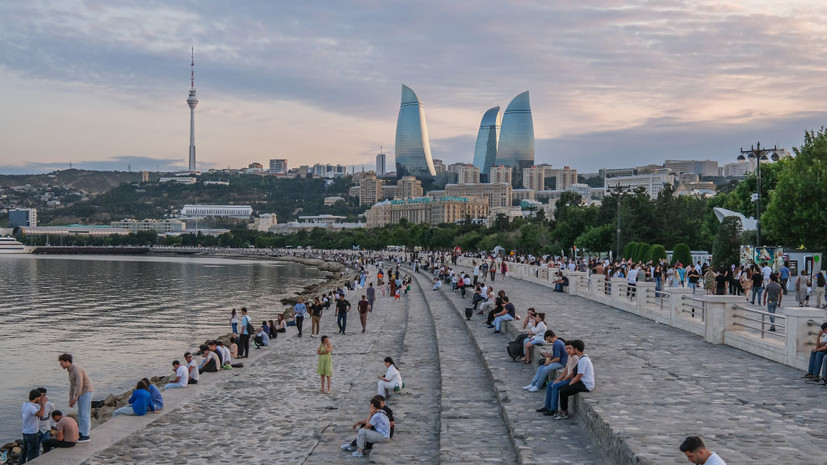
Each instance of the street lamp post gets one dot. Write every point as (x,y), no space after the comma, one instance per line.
(758,154)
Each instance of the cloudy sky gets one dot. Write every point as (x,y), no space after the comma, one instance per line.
(103,84)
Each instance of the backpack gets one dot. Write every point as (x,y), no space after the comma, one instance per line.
(514,349)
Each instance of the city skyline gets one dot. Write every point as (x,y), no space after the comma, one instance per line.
(99,84)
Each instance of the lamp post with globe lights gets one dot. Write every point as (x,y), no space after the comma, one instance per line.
(758,154)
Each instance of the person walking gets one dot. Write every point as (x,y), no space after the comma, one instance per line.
(342,307)
(371,293)
(325,369)
(364,307)
(801,285)
(300,311)
(80,393)
(772,298)
(315,317)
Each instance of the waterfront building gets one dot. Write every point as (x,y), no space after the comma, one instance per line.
(498,174)
(22,217)
(488,138)
(426,210)
(497,194)
(653,183)
(70,230)
(516,144)
(310,222)
(216,211)
(380,164)
(278,166)
(370,189)
(159,226)
(413,149)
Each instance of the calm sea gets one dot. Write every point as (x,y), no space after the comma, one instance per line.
(122,318)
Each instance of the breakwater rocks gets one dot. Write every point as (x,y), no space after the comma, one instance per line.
(334,271)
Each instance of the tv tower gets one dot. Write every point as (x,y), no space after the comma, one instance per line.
(192,101)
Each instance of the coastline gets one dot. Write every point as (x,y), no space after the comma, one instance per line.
(102,414)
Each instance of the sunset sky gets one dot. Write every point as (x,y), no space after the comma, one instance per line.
(612,83)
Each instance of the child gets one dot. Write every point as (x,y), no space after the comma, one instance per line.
(325,369)
(396,294)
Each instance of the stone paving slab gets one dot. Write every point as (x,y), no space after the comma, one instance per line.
(657,384)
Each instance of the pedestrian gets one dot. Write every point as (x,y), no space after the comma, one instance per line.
(234,321)
(325,369)
(819,283)
(80,393)
(342,307)
(300,312)
(802,283)
(315,317)
(32,411)
(364,307)
(371,293)
(695,450)
(246,332)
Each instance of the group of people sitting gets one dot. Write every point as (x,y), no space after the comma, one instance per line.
(379,424)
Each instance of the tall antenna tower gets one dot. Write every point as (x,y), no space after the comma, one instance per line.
(192,101)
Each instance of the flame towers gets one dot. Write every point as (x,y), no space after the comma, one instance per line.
(413,150)
(516,147)
(485,152)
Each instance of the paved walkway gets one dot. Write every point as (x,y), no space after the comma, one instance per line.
(657,384)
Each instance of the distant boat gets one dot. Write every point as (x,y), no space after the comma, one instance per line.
(10,245)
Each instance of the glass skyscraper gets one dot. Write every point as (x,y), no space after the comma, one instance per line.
(413,150)
(485,152)
(516,148)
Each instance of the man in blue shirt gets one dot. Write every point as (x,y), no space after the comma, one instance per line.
(784,271)
(139,402)
(301,312)
(32,411)
(554,360)
(244,341)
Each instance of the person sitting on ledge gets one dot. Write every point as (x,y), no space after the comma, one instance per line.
(695,450)
(139,402)
(537,335)
(182,377)
(281,325)
(507,314)
(262,338)
(211,362)
(224,352)
(549,408)
(583,380)
(561,282)
(390,381)
(351,446)
(192,368)
(817,356)
(66,432)
(552,361)
(378,429)
(155,394)
(437,284)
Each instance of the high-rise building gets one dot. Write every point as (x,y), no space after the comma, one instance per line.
(500,174)
(192,101)
(485,152)
(278,165)
(380,164)
(563,177)
(408,187)
(516,146)
(699,167)
(413,149)
(370,189)
(23,217)
(439,166)
(534,178)
(467,174)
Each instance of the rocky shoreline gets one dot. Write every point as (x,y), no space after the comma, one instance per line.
(107,406)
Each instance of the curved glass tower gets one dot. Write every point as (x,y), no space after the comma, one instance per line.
(516,147)
(413,150)
(485,152)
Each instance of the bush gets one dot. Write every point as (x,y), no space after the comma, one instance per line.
(643,252)
(726,250)
(629,250)
(657,253)
(682,254)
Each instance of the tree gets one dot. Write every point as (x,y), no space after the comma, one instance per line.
(628,249)
(797,208)
(682,254)
(643,252)
(657,253)
(597,239)
(727,247)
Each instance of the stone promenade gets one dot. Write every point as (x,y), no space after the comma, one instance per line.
(657,384)
(463,401)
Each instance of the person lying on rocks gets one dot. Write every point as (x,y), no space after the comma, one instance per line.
(376,428)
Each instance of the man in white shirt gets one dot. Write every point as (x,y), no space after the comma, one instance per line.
(766,271)
(632,282)
(695,450)
(583,380)
(182,376)
(192,369)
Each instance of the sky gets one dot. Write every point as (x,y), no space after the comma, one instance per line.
(614,83)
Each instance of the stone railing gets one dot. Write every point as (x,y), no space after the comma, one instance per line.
(786,337)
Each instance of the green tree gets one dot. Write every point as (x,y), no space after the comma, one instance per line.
(597,239)
(657,253)
(727,247)
(643,252)
(628,249)
(681,253)
(797,209)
